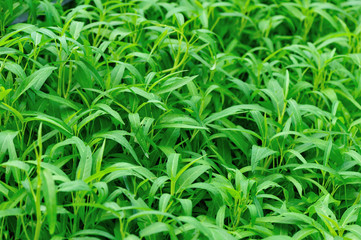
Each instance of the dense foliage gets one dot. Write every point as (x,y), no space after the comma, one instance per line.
(187,119)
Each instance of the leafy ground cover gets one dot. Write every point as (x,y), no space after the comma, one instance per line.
(204,119)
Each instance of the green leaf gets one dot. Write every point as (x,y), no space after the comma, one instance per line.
(190,175)
(319,167)
(172,165)
(350,215)
(164,201)
(235,110)
(355,155)
(11,212)
(12,110)
(49,192)
(117,136)
(17,164)
(50,121)
(140,135)
(57,99)
(187,206)
(110,111)
(15,69)
(154,228)
(35,80)
(179,121)
(96,232)
(76,28)
(6,141)
(278,237)
(221,216)
(73,186)
(303,233)
(258,154)
(174,83)
(85,165)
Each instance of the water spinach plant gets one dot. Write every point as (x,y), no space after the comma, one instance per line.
(183,119)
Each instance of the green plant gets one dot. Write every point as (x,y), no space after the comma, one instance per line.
(181,120)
